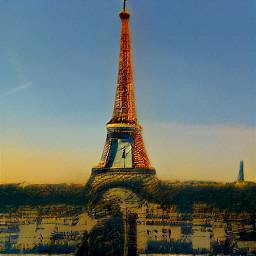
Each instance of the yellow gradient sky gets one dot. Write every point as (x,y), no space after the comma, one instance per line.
(177,151)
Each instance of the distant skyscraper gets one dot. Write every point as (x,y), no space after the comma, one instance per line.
(241,172)
(124,149)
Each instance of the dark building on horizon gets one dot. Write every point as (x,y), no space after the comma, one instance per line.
(240,177)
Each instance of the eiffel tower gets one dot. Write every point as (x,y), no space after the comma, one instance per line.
(124,150)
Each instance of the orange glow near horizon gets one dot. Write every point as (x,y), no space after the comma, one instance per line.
(177,152)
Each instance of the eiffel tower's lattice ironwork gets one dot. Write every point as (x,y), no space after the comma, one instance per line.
(124,107)
(124,134)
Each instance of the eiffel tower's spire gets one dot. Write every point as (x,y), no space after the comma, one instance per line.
(124,105)
(124,5)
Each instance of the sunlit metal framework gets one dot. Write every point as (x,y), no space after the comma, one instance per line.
(123,125)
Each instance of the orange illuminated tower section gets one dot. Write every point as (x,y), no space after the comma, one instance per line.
(124,149)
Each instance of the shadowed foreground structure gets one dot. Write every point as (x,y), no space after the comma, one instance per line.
(227,196)
(115,210)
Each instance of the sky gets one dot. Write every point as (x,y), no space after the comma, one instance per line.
(195,82)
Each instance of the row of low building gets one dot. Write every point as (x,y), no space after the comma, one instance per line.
(201,231)
(27,228)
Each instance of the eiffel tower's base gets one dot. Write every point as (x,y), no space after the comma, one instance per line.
(96,171)
(137,180)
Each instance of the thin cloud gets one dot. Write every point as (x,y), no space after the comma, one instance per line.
(25,83)
(16,89)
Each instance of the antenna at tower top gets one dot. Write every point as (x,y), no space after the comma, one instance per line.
(124,5)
